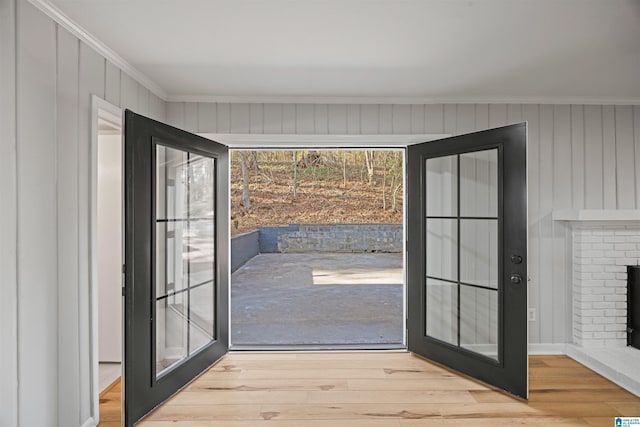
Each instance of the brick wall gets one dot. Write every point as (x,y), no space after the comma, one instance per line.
(600,256)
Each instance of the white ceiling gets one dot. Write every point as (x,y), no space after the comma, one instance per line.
(445,50)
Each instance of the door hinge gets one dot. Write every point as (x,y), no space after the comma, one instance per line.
(124,268)
(124,291)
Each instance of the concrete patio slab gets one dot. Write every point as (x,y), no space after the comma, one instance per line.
(318,299)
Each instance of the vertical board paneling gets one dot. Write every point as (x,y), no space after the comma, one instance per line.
(143,100)
(593,157)
(385,119)
(546,225)
(240,118)
(223,117)
(337,119)
(482,116)
(112,84)
(531,114)
(497,115)
(8,218)
(37,224)
(305,119)
(68,219)
(434,118)
(561,200)
(562,157)
(175,114)
(91,82)
(157,108)
(451,119)
(191,117)
(128,93)
(289,118)
(47,154)
(369,119)
(401,119)
(609,157)
(272,118)
(514,113)
(354,125)
(207,117)
(625,158)
(417,119)
(566,168)
(321,119)
(256,118)
(577,156)
(466,121)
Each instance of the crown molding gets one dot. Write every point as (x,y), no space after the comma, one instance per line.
(53,12)
(401,100)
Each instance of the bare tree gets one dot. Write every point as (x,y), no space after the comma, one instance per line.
(244,200)
(295,174)
(369,157)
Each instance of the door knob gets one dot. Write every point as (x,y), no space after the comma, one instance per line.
(516,278)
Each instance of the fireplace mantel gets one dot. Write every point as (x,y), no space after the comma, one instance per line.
(597,215)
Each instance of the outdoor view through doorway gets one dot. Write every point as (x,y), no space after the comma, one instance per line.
(325,234)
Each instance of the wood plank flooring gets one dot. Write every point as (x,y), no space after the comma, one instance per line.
(379,389)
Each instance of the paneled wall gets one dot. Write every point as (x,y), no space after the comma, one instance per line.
(45,212)
(580,156)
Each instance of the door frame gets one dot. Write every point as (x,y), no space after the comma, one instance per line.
(240,141)
(100,110)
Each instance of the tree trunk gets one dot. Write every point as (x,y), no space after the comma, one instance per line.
(368,157)
(244,200)
(295,174)
(384,182)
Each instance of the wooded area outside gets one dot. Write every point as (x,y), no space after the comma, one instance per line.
(281,187)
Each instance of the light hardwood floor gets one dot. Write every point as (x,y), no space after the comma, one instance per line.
(379,389)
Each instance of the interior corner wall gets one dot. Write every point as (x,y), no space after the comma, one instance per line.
(44,178)
(8,219)
(579,157)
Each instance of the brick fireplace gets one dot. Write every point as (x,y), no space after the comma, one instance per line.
(601,252)
(603,244)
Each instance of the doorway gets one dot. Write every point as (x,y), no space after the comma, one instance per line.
(107,255)
(327,227)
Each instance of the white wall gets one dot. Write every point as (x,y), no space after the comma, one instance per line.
(580,156)
(109,246)
(44,214)
(8,260)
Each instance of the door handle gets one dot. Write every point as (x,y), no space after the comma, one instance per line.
(516,278)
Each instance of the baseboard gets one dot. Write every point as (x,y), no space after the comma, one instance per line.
(548,348)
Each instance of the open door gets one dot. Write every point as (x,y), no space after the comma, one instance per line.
(176,260)
(467,255)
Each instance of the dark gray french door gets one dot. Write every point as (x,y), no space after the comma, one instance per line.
(467,255)
(176,260)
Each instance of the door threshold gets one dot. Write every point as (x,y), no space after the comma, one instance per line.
(320,347)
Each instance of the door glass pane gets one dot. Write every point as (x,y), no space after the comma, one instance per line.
(479,320)
(185,257)
(442,307)
(479,184)
(479,252)
(442,248)
(201,316)
(442,186)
